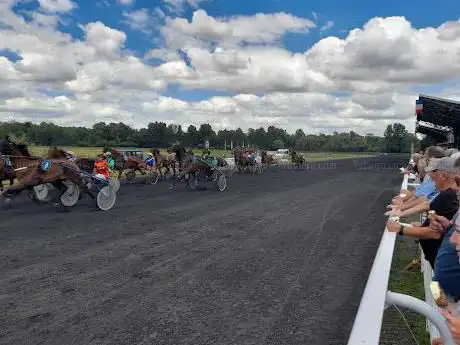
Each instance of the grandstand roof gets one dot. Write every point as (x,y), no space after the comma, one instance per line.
(440,111)
(437,132)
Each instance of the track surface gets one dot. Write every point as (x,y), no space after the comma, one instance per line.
(280,258)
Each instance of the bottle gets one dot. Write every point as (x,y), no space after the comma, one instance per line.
(432,215)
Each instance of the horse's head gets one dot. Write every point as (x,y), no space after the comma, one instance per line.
(179,151)
(55,152)
(23,150)
(156,152)
(115,153)
(15,149)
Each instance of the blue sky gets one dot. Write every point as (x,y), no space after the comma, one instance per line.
(345,15)
(363,78)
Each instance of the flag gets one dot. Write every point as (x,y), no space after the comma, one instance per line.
(418,107)
(184,56)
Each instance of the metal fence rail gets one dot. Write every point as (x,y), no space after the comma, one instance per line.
(376,297)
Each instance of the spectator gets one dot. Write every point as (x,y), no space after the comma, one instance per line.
(447,273)
(442,171)
(415,201)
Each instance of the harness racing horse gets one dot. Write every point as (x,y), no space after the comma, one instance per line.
(266,158)
(164,162)
(6,172)
(180,155)
(130,163)
(242,160)
(85,164)
(297,158)
(33,171)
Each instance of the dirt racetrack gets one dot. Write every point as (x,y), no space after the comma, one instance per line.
(280,258)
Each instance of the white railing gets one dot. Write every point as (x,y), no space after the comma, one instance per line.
(376,297)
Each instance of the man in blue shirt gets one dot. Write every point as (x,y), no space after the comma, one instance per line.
(447,273)
(413,201)
(447,267)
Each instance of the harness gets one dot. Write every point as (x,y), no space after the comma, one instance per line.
(7,161)
(150,161)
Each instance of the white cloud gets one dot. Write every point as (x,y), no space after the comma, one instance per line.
(137,20)
(178,6)
(125,2)
(362,82)
(57,6)
(257,29)
(328,25)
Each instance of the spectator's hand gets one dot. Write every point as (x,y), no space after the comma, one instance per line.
(437,341)
(397,201)
(454,325)
(393,226)
(393,213)
(393,207)
(440,224)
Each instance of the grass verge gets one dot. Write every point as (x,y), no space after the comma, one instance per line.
(409,282)
(310,156)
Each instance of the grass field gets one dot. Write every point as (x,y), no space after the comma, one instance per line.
(395,331)
(311,156)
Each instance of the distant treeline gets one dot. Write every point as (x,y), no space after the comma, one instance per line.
(158,134)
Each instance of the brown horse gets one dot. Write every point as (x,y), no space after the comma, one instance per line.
(241,156)
(266,158)
(6,173)
(180,155)
(30,172)
(164,162)
(85,164)
(297,158)
(130,163)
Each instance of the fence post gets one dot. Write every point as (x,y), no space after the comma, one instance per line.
(424,309)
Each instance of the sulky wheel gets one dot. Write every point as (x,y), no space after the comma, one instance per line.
(115,184)
(41,192)
(258,169)
(222,183)
(152,177)
(214,176)
(70,197)
(106,198)
(192,180)
(130,175)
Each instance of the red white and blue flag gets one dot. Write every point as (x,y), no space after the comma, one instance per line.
(418,107)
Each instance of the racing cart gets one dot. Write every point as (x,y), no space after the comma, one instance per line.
(205,169)
(102,190)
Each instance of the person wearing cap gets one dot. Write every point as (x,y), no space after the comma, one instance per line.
(447,273)
(413,201)
(110,161)
(150,161)
(101,167)
(443,172)
(70,155)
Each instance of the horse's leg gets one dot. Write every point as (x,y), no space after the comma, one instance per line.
(12,191)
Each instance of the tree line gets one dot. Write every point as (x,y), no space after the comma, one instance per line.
(158,134)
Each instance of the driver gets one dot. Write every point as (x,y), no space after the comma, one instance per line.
(150,161)
(5,148)
(110,161)
(101,167)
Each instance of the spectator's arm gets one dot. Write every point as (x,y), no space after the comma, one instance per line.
(419,208)
(412,203)
(422,233)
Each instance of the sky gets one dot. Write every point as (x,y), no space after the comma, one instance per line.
(334,66)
